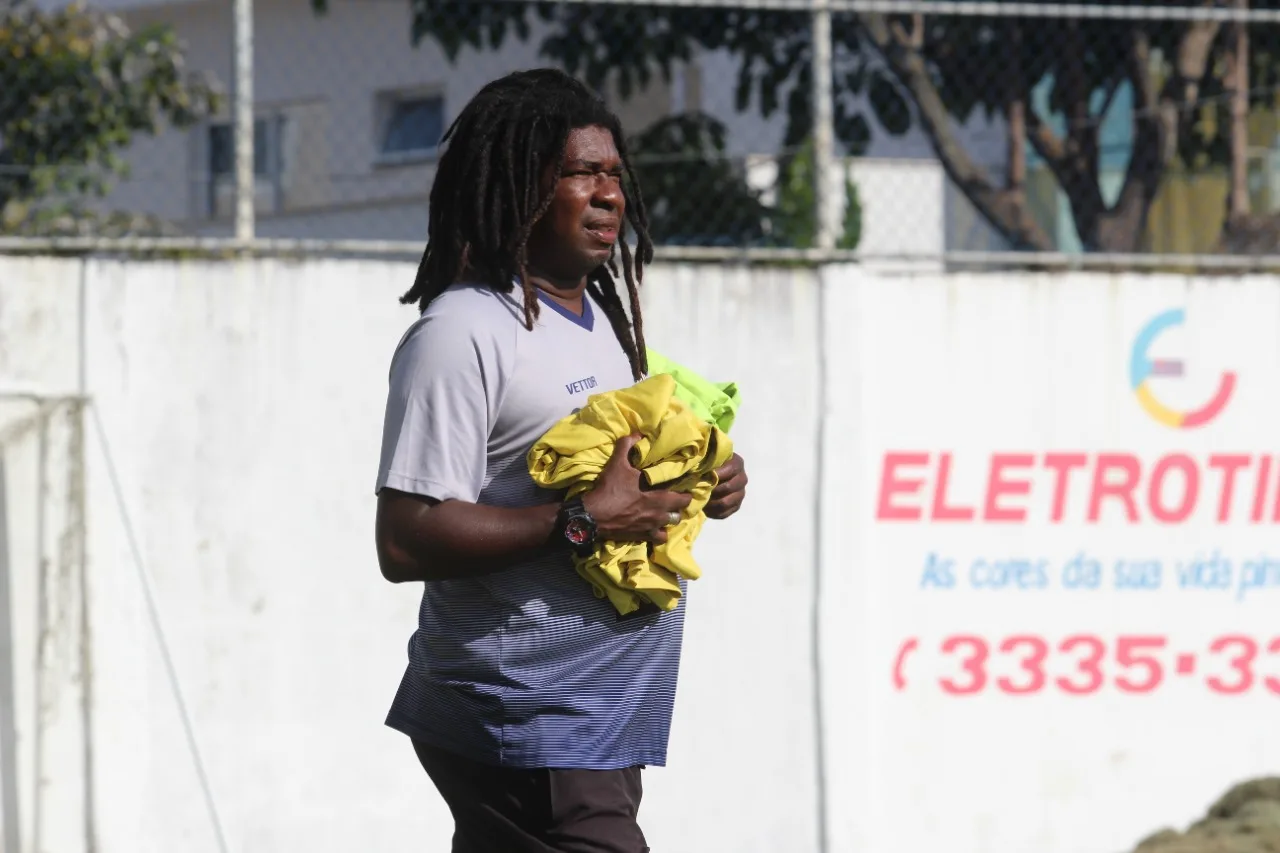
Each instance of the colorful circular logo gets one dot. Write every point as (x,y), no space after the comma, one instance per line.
(1143,368)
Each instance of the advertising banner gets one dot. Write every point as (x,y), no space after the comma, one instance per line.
(1051,558)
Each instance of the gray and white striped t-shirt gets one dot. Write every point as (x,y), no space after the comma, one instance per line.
(526,667)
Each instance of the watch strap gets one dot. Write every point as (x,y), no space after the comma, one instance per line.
(575,527)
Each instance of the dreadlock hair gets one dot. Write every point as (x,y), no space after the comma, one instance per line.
(488,196)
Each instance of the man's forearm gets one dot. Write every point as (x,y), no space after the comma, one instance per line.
(456,539)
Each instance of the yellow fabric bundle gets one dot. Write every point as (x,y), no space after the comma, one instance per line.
(677,450)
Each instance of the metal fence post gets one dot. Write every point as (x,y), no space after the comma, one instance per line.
(242,119)
(823,126)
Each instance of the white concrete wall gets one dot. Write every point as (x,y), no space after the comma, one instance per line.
(241,404)
(949,399)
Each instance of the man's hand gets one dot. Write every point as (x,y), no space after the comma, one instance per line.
(624,510)
(727,497)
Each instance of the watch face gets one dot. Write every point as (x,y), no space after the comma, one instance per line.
(577,532)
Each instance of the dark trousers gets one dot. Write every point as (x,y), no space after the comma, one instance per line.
(510,810)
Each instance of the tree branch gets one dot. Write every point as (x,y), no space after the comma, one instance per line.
(1127,218)
(1158,121)
(1238,129)
(1048,145)
(1082,131)
(1108,100)
(914,38)
(1078,167)
(998,205)
(1016,116)
(1181,91)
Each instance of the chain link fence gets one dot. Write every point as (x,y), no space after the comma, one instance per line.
(1101,132)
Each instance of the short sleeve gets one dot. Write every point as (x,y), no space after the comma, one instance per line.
(442,398)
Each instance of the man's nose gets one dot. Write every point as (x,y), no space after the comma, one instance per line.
(609,193)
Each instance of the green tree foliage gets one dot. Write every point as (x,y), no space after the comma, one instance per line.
(699,196)
(76,87)
(695,194)
(795,221)
(931,72)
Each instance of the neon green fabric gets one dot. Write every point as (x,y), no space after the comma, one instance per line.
(715,403)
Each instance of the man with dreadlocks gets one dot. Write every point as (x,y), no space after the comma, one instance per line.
(531,704)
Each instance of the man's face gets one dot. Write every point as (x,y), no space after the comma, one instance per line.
(576,234)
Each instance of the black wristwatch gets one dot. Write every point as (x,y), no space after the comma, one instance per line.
(576,528)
